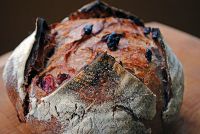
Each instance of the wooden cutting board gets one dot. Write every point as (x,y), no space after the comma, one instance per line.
(186,47)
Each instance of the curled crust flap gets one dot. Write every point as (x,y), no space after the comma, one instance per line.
(101,87)
(14,70)
(35,61)
(177,80)
(98,9)
(13,74)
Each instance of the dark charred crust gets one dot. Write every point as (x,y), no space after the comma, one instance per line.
(95,81)
(102,61)
(100,9)
(97,67)
(167,91)
(121,63)
(167,83)
(36,59)
(26,104)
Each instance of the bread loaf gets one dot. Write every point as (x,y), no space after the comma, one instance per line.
(99,71)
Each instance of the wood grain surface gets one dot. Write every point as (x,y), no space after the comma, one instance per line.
(187,49)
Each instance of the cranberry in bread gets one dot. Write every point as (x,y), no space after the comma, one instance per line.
(99,71)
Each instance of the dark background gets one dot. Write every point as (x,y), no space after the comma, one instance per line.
(17,18)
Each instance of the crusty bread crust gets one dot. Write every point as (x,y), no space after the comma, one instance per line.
(136,87)
(13,74)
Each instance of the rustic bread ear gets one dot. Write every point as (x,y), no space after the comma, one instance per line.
(98,9)
(176,78)
(36,59)
(15,73)
(173,79)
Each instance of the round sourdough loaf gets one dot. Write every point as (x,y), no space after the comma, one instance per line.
(99,71)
